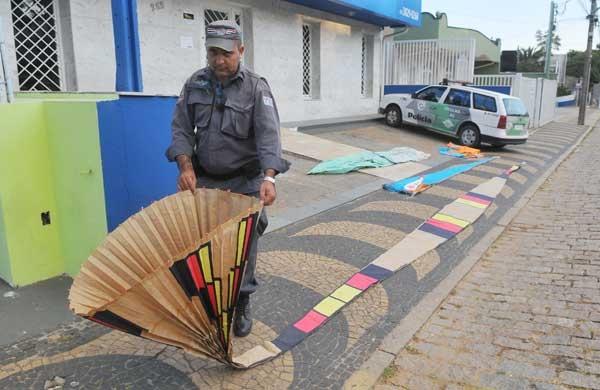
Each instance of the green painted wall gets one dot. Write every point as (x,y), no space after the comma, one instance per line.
(484,47)
(72,96)
(5,271)
(27,190)
(75,149)
(429,29)
(49,161)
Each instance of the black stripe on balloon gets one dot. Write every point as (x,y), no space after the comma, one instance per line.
(181,272)
(289,338)
(110,319)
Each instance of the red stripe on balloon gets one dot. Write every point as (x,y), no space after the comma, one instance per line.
(194,267)
(213,298)
(248,231)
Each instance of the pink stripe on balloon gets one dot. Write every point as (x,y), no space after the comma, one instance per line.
(476,199)
(360,281)
(445,225)
(310,321)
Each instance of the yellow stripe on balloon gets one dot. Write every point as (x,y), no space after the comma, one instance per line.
(471,203)
(225,326)
(230,297)
(450,219)
(206,264)
(218,294)
(240,248)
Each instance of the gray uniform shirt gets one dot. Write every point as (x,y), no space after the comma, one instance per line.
(227,128)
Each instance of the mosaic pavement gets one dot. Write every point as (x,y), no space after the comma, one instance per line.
(298,266)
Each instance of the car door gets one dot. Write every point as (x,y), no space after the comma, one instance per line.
(485,112)
(423,107)
(454,111)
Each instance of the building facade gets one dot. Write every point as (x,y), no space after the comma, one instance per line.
(322,58)
(487,51)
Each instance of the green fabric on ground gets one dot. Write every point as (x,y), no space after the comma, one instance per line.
(351,163)
(363,160)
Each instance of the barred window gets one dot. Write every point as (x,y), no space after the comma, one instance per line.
(212,15)
(366,69)
(36,45)
(363,67)
(306,60)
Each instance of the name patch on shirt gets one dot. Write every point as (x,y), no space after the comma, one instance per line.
(268,101)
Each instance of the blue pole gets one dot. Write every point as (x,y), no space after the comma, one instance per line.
(127,46)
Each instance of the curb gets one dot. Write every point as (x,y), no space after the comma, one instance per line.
(368,374)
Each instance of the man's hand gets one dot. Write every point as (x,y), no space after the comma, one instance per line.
(268,194)
(187,176)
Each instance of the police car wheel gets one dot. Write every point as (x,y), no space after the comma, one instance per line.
(469,136)
(393,116)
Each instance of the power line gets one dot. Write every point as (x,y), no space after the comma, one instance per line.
(583,6)
(573,19)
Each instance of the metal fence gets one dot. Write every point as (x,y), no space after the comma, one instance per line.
(429,61)
(496,80)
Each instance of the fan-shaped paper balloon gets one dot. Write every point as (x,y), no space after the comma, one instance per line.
(172,272)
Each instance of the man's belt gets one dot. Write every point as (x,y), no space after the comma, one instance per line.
(250,170)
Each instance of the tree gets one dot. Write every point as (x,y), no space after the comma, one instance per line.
(541,37)
(576,62)
(529,60)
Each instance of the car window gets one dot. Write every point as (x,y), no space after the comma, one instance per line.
(431,94)
(485,103)
(457,97)
(515,107)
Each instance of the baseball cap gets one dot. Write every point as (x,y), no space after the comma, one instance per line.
(223,34)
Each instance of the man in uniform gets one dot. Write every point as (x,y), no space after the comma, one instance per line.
(225,135)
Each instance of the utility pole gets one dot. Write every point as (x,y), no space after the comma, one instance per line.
(588,64)
(549,39)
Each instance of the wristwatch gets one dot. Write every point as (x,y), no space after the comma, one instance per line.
(269,179)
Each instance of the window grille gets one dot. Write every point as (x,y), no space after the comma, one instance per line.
(36,46)
(306,60)
(363,68)
(212,15)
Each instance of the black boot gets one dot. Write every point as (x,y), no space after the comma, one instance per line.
(243,322)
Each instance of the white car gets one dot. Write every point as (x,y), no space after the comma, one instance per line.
(472,115)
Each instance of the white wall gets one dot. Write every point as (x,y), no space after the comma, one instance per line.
(276,37)
(92,56)
(93,45)
(165,64)
(278,57)
(548,103)
(539,96)
(9,39)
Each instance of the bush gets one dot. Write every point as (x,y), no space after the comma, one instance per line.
(562,91)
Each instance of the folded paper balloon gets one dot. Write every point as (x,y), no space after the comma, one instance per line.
(172,272)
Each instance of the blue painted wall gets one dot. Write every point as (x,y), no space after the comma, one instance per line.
(378,12)
(566,103)
(390,89)
(135,131)
(494,88)
(408,89)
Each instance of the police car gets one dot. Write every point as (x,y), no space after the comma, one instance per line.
(472,115)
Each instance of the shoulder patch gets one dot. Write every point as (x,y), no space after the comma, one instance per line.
(268,101)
